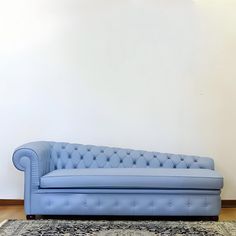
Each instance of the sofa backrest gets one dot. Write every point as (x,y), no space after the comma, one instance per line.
(68,156)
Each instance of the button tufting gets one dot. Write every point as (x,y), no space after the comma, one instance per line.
(63,147)
(128,153)
(141,155)
(94,158)
(102,151)
(195,160)
(134,162)
(151,204)
(69,156)
(182,159)
(174,166)
(82,157)
(121,161)
(161,164)
(76,148)
(88,149)
(148,163)
(108,159)
(154,156)
(115,152)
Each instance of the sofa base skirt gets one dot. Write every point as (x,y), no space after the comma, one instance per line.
(187,203)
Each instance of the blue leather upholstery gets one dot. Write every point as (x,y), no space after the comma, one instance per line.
(174,185)
(143,178)
(67,156)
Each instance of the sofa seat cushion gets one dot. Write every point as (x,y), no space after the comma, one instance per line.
(141,178)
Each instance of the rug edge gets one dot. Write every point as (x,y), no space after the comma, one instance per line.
(3,222)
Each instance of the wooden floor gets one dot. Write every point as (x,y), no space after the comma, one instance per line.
(17,212)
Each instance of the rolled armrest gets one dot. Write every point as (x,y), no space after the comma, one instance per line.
(33,158)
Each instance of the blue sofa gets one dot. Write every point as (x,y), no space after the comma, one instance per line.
(75,179)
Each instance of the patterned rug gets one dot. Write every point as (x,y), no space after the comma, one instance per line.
(115,228)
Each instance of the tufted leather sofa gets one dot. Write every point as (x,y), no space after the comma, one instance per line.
(75,179)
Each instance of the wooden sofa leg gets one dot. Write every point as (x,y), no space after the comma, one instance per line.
(215,218)
(30,217)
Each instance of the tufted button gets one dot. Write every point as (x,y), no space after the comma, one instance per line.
(88,149)
(108,159)
(74,166)
(154,156)
(55,167)
(188,167)
(115,152)
(195,160)
(174,166)
(134,162)
(168,158)
(128,153)
(82,157)
(148,163)
(151,204)
(121,161)
(76,148)
(141,155)
(181,159)
(161,164)
(94,158)
(102,151)
(63,147)
(69,156)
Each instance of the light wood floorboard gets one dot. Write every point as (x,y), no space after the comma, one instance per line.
(17,212)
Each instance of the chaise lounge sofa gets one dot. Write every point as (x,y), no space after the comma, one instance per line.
(75,179)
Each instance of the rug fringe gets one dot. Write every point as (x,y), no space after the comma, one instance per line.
(3,222)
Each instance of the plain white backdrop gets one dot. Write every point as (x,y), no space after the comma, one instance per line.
(145,74)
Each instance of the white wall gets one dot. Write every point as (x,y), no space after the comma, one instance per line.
(147,74)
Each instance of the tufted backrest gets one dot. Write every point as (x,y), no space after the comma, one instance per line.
(68,156)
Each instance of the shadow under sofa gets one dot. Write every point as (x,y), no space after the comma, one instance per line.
(75,179)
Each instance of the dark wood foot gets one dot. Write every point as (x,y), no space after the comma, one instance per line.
(215,218)
(30,217)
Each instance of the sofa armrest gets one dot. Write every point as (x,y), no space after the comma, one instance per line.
(34,159)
